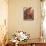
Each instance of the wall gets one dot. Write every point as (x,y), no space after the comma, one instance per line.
(3,19)
(16,21)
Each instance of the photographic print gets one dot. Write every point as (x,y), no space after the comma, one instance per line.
(28,13)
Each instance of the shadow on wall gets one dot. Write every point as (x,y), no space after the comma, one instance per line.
(6,39)
(0,44)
